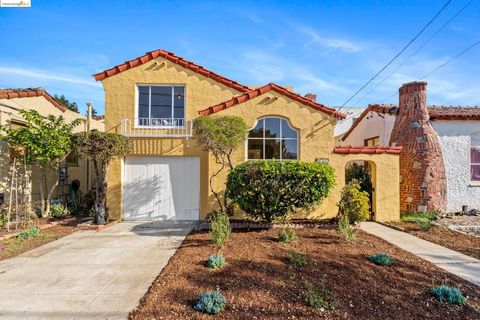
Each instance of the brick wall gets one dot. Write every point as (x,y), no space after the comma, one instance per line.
(422,173)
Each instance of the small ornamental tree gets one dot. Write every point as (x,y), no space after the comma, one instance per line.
(220,135)
(47,142)
(100,148)
(354,204)
(272,190)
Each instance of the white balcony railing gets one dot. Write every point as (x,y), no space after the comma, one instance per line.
(157,127)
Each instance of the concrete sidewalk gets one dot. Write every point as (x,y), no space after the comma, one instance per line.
(454,262)
(88,275)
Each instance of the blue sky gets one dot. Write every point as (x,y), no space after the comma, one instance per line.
(330,48)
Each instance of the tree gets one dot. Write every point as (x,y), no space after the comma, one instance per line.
(47,142)
(220,135)
(66,103)
(101,148)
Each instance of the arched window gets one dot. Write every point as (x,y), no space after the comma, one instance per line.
(272,139)
(475,157)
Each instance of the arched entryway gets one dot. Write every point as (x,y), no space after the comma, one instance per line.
(364,172)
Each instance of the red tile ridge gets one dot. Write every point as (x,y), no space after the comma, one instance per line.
(175,59)
(367,150)
(261,90)
(30,92)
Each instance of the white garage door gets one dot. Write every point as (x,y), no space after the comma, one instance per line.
(161,188)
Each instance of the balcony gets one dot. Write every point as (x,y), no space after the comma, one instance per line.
(157,127)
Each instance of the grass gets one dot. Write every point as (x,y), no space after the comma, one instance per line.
(381,259)
(414,216)
(16,245)
(297,259)
(319,296)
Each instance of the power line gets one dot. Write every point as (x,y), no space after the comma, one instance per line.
(413,54)
(398,54)
(418,49)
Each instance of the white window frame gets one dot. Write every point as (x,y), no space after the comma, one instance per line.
(280,138)
(149,85)
(477,147)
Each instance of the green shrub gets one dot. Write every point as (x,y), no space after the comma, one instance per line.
(360,173)
(415,216)
(29,233)
(59,211)
(215,261)
(346,232)
(272,190)
(286,234)
(381,259)
(448,294)
(297,259)
(354,204)
(211,302)
(319,296)
(425,225)
(219,227)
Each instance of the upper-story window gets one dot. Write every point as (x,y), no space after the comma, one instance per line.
(160,105)
(272,138)
(475,157)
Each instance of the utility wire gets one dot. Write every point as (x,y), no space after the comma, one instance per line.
(398,54)
(413,54)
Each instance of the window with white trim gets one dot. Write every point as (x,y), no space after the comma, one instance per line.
(161,106)
(272,138)
(475,157)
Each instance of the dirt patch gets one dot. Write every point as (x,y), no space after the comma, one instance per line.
(16,245)
(464,243)
(260,283)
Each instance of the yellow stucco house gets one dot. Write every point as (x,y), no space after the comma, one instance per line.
(154,99)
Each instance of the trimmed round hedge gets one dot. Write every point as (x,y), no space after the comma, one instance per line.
(271,190)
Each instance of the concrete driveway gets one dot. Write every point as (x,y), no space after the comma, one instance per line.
(88,275)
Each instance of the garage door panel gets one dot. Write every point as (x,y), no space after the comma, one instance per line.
(162,188)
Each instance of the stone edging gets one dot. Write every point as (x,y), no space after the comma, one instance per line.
(41,227)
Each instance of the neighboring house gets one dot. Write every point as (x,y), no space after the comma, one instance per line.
(14,100)
(154,100)
(345,124)
(440,160)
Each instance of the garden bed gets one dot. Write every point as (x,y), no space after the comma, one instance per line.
(260,283)
(464,243)
(16,245)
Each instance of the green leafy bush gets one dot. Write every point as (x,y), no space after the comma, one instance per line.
(286,234)
(271,190)
(59,211)
(361,174)
(448,294)
(215,261)
(354,204)
(29,233)
(425,225)
(211,302)
(346,232)
(381,259)
(319,296)
(415,216)
(219,227)
(297,259)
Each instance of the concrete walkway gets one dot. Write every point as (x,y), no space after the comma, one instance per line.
(454,262)
(88,275)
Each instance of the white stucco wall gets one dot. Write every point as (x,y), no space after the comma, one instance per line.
(454,139)
(342,126)
(372,125)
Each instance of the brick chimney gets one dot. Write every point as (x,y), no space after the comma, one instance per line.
(311,97)
(422,173)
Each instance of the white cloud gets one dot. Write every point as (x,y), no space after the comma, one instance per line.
(41,74)
(328,42)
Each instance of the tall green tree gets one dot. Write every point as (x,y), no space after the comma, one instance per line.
(101,148)
(66,103)
(220,135)
(47,142)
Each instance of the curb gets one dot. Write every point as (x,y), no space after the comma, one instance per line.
(96,227)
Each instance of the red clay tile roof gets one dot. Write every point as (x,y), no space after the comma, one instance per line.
(454,113)
(379,108)
(367,150)
(175,59)
(30,92)
(271,86)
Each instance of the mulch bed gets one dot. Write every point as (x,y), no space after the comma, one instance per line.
(260,283)
(464,243)
(15,246)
